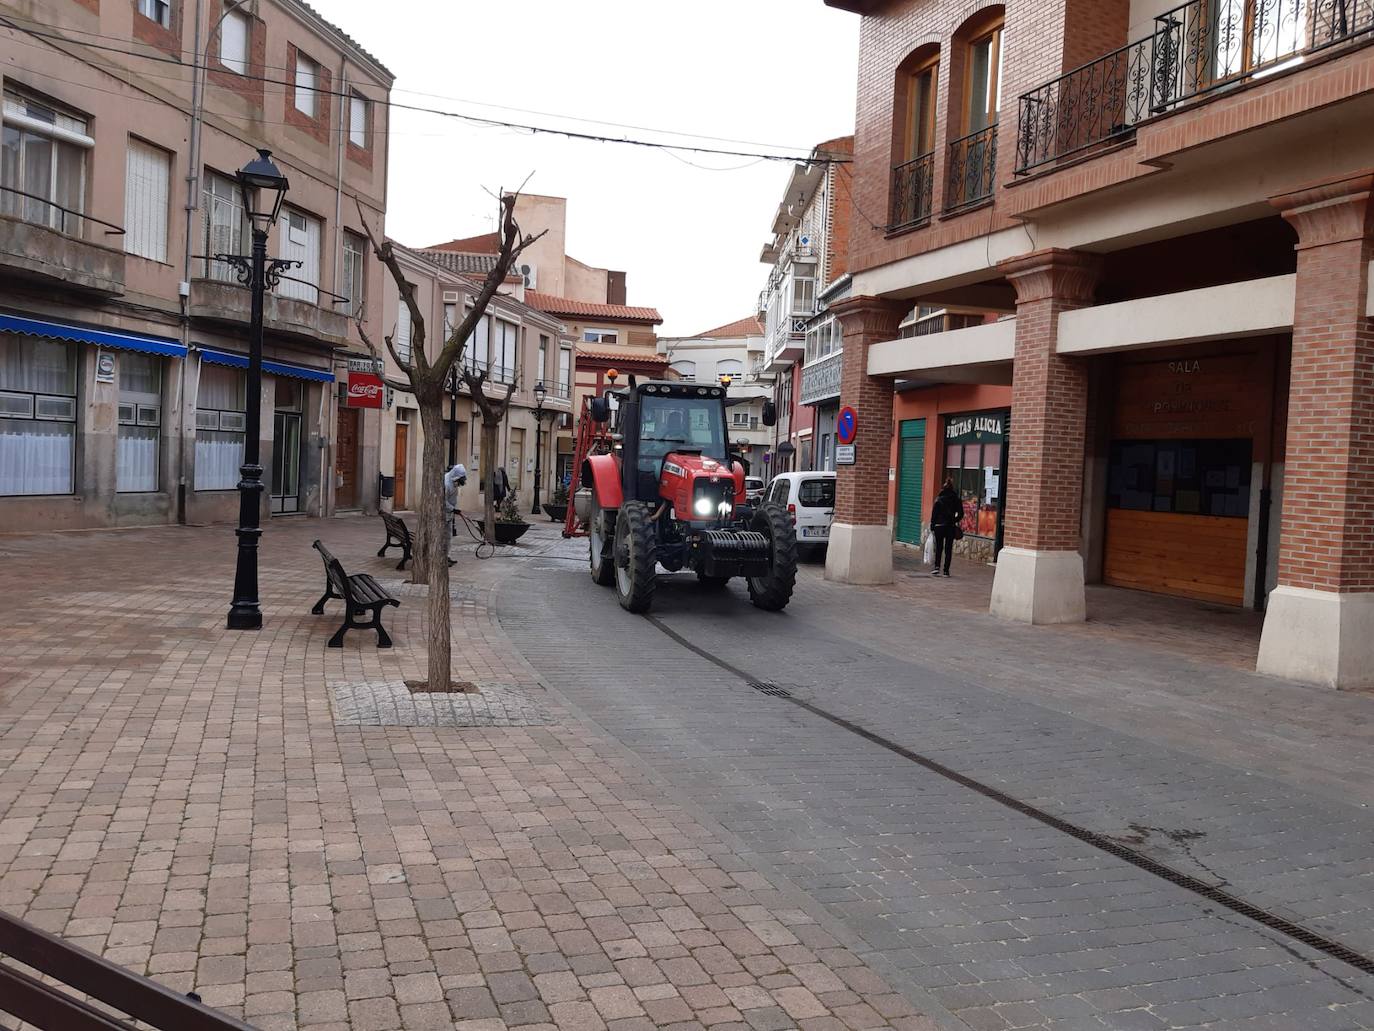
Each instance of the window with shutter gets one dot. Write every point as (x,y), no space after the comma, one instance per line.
(147,179)
(357,120)
(301,242)
(234,33)
(159,11)
(354,285)
(307,77)
(401,340)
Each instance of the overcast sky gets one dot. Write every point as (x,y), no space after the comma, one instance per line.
(762,71)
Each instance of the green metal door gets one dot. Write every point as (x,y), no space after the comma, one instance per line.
(911,467)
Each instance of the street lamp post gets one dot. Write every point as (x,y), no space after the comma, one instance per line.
(540,392)
(262,187)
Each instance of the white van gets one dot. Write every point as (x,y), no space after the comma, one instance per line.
(809,499)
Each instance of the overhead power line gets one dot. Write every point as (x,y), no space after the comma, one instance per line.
(45,33)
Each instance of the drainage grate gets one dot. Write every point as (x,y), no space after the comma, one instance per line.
(1273,921)
(773,690)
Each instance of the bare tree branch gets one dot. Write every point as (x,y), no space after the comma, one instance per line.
(386,254)
(394,384)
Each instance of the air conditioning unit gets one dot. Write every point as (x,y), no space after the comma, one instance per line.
(452,297)
(531,274)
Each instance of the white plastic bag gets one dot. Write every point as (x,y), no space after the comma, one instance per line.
(930,549)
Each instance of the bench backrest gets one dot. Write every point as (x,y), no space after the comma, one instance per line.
(334,569)
(396,527)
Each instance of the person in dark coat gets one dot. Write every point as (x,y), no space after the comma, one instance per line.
(945,516)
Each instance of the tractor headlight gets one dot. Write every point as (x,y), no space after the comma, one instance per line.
(702,507)
(726,508)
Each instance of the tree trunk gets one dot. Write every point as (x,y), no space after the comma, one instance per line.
(489,478)
(431,552)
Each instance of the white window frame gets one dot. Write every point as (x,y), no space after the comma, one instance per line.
(65,133)
(225,224)
(235,41)
(229,427)
(147,198)
(354,273)
(307,84)
(566,367)
(600,336)
(40,408)
(159,11)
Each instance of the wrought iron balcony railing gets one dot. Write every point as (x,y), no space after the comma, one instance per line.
(912,191)
(1090,105)
(972,169)
(1195,48)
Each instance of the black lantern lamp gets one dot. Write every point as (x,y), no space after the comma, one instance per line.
(540,392)
(262,187)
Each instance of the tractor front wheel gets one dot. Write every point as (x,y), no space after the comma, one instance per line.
(599,546)
(635,560)
(774,590)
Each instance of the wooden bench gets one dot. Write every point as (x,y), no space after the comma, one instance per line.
(360,594)
(397,536)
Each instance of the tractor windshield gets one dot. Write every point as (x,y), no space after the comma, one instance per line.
(669,424)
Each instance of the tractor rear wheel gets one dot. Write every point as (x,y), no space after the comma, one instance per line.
(774,590)
(635,560)
(599,546)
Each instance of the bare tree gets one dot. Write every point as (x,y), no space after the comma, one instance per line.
(427,378)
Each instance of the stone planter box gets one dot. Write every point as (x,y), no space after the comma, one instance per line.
(558,513)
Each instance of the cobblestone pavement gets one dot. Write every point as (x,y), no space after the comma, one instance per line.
(275,825)
(986,916)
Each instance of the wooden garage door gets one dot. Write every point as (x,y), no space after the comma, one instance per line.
(1189,555)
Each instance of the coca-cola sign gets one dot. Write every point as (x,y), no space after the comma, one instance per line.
(365,390)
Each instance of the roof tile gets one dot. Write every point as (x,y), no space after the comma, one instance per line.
(567,306)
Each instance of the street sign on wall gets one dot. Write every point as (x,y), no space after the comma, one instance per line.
(844,454)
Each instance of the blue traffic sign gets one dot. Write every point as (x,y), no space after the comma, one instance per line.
(846,425)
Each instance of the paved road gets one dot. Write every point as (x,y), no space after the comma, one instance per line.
(990,917)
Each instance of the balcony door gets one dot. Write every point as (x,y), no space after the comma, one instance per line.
(983,87)
(912,176)
(972,162)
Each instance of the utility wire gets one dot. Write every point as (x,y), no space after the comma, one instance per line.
(444,96)
(459,116)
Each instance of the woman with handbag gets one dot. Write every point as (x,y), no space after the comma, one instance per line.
(946,525)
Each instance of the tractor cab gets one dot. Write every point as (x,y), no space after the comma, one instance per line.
(665,490)
(670,435)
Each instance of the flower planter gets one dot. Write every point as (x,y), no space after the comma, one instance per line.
(506,533)
(558,513)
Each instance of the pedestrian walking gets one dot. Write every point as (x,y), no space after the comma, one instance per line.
(946,525)
(453,480)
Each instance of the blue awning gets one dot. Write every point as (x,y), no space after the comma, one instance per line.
(240,361)
(86,335)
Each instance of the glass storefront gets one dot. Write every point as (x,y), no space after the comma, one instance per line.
(975,459)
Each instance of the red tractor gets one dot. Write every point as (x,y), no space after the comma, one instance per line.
(666,491)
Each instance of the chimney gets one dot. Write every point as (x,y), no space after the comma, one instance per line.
(615,287)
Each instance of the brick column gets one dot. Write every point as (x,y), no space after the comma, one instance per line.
(1039,570)
(860,550)
(1319,622)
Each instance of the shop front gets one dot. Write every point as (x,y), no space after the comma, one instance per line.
(975,459)
(1190,471)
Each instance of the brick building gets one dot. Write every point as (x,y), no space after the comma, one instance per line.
(1159,216)
(123,335)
